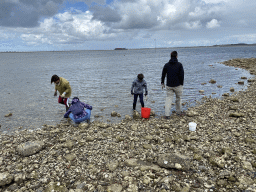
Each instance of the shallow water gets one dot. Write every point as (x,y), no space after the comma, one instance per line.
(103,79)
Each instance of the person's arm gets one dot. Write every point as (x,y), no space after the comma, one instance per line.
(67,90)
(55,92)
(146,88)
(181,75)
(86,106)
(67,113)
(164,72)
(133,84)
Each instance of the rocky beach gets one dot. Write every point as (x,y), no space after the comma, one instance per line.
(155,154)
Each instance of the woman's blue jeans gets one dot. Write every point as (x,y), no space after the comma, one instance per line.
(79,120)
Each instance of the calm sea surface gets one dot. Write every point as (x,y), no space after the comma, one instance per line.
(103,79)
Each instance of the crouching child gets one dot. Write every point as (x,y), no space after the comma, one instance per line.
(79,111)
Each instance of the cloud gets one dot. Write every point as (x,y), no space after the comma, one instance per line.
(158,15)
(27,13)
(213,24)
(40,22)
(67,28)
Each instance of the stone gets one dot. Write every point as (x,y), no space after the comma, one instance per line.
(19,178)
(201,91)
(212,81)
(236,114)
(232,89)
(70,157)
(30,148)
(113,113)
(241,82)
(112,165)
(55,186)
(247,165)
(83,125)
(128,117)
(5,178)
(192,113)
(8,115)
(175,161)
(136,115)
(114,188)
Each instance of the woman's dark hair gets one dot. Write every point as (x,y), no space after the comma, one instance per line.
(54,78)
(174,54)
(140,76)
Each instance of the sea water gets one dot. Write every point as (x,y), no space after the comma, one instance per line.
(103,79)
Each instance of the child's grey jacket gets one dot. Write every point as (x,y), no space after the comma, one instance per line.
(138,86)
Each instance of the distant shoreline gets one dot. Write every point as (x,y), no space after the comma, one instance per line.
(126,49)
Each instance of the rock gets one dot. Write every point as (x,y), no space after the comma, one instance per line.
(147,146)
(128,117)
(219,86)
(8,115)
(241,82)
(212,81)
(114,114)
(201,91)
(225,94)
(83,125)
(152,113)
(131,162)
(69,144)
(243,77)
(136,115)
(234,99)
(112,165)
(70,157)
(175,161)
(55,186)
(114,188)
(30,148)
(5,178)
(232,89)
(247,165)
(233,107)
(192,113)
(236,114)
(19,178)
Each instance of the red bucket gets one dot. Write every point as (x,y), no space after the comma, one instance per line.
(145,112)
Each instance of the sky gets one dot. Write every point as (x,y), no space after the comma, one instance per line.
(58,25)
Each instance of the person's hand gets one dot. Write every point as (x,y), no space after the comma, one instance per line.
(63,95)
(55,94)
(146,93)
(132,93)
(163,86)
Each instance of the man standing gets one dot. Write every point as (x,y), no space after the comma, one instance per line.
(62,85)
(175,79)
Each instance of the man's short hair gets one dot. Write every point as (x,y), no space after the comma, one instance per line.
(54,78)
(174,54)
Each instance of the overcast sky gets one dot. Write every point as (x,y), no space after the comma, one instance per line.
(47,25)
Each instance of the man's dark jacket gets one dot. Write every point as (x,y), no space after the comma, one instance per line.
(174,72)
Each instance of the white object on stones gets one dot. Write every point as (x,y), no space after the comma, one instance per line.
(192,126)
(30,148)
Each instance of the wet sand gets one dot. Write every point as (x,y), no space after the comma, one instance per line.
(139,154)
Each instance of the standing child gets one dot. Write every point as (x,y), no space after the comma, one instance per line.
(137,90)
(64,88)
